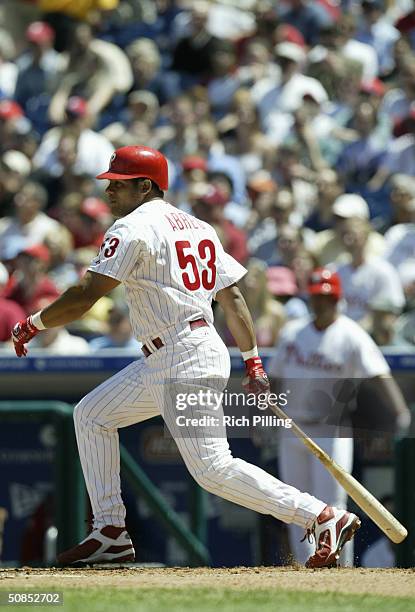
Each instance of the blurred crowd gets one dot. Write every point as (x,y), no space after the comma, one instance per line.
(288,125)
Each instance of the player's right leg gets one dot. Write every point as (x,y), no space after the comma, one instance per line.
(211,463)
(118,402)
(203,445)
(294,466)
(324,486)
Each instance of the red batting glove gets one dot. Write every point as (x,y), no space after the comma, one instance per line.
(22,333)
(256,379)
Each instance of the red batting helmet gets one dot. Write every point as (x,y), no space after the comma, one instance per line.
(323,281)
(138,162)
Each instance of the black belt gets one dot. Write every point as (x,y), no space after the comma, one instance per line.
(158,343)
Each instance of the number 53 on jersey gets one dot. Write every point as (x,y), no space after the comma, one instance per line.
(192,277)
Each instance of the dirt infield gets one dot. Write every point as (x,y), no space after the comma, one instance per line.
(398,583)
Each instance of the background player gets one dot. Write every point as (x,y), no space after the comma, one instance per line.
(315,357)
(172,266)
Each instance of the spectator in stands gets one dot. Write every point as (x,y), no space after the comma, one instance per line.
(367,281)
(288,33)
(30,282)
(119,334)
(257,64)
(377,32)
(329,189)
(341,76)
(282,285)
(290,172)
(400,238)
(145,62)
(315,134)
(194,53)
(193,171)
(62,271)
(57,340)
(359,160)
(15,167)
(397,102)
(260,226)
(62,176)
(402,198)
(401,52)
(92,149)
(13,125)
(277,214)
(208,139)
(29,221)
(225,79)
(96,70)
(180,136)
(278,103)
(86,219)
(329,246)
(346,44)
(8,68)
(307,17)
(289,243)
(302,264)
(38,69)
(242,133)
(400,156)
(137,122)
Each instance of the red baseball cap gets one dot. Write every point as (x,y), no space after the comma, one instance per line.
(323,281)
(76,106)
(262,182)
(9,109)
(288,33)
(94,208)
(374,86)
(38,251)
(194,162)
(213,197)
(40,32)
(138,162)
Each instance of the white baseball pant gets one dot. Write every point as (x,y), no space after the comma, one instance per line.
(299,467)
(143,390)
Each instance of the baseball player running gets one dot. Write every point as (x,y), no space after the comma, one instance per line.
(318,359)
(172,265)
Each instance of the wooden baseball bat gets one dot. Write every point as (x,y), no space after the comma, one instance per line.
(363,498)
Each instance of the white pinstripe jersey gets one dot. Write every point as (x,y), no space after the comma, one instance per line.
(171,264)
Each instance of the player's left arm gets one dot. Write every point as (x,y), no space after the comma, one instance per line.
(239,321)
(70,306)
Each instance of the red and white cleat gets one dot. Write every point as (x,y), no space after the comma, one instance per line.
(331,530)
(107,545)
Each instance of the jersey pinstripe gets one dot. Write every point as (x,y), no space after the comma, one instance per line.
(171,264)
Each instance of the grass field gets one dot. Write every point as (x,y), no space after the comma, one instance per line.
(219,590)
